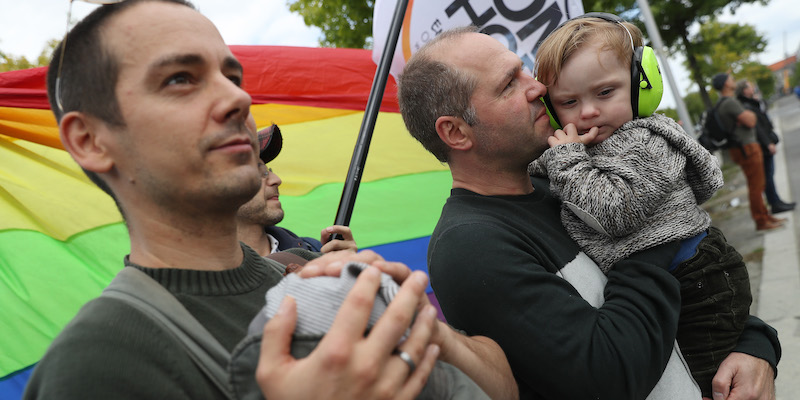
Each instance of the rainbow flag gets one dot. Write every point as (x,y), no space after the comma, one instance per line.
(62,239)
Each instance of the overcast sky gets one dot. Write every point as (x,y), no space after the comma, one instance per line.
(26,26)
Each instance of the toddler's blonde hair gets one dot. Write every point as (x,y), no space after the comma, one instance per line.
(557,48)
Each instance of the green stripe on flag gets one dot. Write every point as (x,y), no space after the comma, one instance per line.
(386,211)
(44,282)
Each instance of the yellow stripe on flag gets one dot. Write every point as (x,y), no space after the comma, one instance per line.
(43,189)
(318,152)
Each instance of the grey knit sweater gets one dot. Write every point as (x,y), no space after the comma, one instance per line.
(640,187)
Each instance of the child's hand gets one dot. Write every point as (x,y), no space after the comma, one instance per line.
(570,135)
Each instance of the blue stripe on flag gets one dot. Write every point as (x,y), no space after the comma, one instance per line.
(413,253)
(13,385)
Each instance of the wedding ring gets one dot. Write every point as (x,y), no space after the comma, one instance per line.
(407,358)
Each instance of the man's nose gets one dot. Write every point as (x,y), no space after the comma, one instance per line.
(535,89)
(273,179)
(233,103)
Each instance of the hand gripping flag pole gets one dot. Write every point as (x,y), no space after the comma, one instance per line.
(368,123)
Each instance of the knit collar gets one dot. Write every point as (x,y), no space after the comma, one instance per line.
(247,276)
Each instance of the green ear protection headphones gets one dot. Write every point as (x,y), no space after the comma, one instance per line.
(646,85)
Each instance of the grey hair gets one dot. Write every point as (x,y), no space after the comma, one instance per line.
(429,88)
(740,86)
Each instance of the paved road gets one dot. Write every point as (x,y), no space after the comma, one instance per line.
(779,299)
(786,114)
(772,259)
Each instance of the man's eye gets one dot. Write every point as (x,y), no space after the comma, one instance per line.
(606,92)
(178,79)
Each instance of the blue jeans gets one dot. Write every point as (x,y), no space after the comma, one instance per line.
(715,304)
(769,171)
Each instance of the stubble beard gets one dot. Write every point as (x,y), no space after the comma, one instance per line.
(261,214)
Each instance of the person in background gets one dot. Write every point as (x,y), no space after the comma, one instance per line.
(748,156)
(256,220)
(767,138)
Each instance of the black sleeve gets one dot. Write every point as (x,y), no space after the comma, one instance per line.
(764,132)
(558,345)
(760,340)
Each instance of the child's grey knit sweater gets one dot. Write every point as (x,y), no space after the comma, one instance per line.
(640,187)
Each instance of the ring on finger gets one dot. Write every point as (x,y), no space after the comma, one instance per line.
(407,359)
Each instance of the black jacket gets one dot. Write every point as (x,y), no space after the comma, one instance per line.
(288,240)
(765,132)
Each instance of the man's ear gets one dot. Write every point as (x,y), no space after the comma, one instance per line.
(85,139)
(454,132)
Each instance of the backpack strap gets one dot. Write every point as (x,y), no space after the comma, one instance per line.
(145,294)
(138,290)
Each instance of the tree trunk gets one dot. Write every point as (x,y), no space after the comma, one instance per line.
(695,70)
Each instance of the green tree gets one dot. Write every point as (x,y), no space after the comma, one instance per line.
(725,47)
(12,63)
(675,21)
(695,104)
(344,23)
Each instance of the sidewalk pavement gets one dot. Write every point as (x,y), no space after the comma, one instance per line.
(773,263)
(779,291)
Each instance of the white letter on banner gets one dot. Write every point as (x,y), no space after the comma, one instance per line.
(519,24)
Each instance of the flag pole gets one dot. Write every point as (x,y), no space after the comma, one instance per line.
(658,46)
(368,122)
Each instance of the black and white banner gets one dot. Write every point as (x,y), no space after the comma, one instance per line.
(519,24)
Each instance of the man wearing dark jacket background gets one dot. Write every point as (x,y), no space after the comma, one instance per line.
(257,219)
(767,138)
(748,155)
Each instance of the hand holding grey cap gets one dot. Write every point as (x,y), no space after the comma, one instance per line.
(318,300)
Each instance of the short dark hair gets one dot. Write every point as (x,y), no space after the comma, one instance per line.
(718,81)
(89,73)
(428,89)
